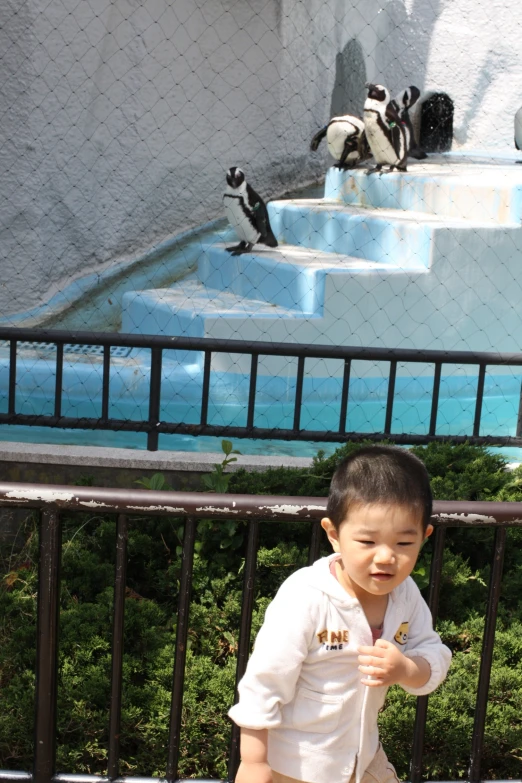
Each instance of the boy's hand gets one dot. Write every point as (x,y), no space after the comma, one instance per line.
(386,665)
(254,772)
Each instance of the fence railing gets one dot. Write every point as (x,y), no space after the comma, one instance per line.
(153,426)
(52,500)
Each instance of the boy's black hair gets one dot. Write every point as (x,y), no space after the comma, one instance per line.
(380,474)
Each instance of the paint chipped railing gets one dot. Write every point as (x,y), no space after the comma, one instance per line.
(52,500)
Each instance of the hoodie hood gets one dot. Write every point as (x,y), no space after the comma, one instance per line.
(320,578)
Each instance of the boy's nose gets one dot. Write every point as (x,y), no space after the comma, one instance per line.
(384,554)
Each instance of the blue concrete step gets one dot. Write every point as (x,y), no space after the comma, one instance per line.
(287,276)
(186,308)
(480,194)
(386,236)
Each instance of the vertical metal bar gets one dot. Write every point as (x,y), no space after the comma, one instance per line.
(47,646)
(244,633)
(344,396)
(105,381)
(185,588)
(480,396)
(518,433)
(422,702)
(315,543)
(12,377)
(435,399)
(252,391)
(299,393)
(59,381)
(206,387)
(391,395)
(486,658)
(117,647)
(156,355)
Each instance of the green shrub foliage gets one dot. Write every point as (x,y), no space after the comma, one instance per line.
(457,472)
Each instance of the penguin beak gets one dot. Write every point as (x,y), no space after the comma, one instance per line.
(370,86)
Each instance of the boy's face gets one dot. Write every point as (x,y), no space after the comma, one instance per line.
(379,546)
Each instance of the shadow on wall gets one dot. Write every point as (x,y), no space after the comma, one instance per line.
(349,92)
(435,115)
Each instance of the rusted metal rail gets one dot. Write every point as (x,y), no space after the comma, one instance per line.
(52,500)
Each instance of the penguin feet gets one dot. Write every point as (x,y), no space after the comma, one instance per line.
(375,168)
(236,249)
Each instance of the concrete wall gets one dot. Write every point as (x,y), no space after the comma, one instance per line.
(119,118)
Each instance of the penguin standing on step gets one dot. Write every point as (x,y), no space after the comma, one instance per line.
(403,102)
(247,214)
(387,135)
(346,140)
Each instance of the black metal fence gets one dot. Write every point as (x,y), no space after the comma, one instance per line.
(52,500)
(153,426)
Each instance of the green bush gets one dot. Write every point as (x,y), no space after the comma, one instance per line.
(457,472)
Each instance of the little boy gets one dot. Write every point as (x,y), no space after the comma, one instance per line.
(338,633)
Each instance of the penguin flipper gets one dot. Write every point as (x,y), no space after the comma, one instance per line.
(317,139)
(516,144)
(350,145)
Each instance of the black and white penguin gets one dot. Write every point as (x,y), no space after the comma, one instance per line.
(247,214)
(518,129)
(403,102)
(387,135)
(346,140)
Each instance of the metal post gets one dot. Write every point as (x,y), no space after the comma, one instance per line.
(47,646)
(435,399)
(486,657)
(422,702)
(181,648)
(480,397)
(344,396)
(59,381)
(154,398)
(391,395)
(117,647)
(244,633)
(12,378)
(299,393)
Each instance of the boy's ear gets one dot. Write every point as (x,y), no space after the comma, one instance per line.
(330,530)
(428,532)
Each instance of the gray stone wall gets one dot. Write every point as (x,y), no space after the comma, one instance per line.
(119,118)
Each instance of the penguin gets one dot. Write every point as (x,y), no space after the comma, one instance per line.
(387,135)
(346,140)
(518,129)
(403,103)
(247,214)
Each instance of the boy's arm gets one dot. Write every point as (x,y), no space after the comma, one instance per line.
(424,644)
(254,766)
(273,669)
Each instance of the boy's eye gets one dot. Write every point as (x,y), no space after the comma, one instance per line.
(406,543)
(365,542)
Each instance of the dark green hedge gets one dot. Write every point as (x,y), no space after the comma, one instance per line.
(457,472)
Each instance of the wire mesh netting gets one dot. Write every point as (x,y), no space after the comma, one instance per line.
(379,206)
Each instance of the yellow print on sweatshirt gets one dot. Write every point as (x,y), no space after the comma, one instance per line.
(333,640)
(402,633)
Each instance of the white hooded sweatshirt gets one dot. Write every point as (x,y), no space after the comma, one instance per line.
(302,681)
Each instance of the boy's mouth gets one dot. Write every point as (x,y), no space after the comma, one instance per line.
(381,576)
